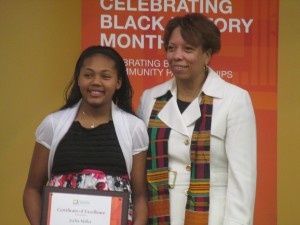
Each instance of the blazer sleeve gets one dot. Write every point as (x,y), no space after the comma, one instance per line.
(240,145)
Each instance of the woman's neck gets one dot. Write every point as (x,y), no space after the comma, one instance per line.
(188,90)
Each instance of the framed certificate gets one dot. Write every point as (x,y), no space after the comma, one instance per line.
(70,206)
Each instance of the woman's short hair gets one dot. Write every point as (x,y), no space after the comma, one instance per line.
(197,30)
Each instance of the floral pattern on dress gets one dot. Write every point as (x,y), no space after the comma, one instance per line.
(97,180)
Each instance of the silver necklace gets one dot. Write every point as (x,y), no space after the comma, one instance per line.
(93,125)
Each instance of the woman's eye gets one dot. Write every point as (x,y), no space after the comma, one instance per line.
(189,49)
(170,48)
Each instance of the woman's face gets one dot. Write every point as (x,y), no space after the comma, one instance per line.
(98,80)
(186,61)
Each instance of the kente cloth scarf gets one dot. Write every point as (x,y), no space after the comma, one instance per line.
(197,207)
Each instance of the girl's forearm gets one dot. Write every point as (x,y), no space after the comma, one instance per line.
(32,203)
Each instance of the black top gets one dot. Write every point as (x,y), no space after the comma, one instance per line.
(182,105)
(83,148)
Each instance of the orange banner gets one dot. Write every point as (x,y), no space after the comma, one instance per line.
(248,58)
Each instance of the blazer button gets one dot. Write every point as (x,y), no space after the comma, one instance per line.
(186,142)
(188,168)
(186,192)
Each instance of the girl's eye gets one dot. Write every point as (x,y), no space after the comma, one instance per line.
(106,76)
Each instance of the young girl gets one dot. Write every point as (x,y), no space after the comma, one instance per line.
(94,141)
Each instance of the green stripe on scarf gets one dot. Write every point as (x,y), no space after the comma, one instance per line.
(157,166)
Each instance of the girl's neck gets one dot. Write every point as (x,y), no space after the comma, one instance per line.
(90,116)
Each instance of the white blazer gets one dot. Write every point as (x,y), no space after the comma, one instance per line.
(233,146)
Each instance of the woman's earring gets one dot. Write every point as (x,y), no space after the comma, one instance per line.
(205,68)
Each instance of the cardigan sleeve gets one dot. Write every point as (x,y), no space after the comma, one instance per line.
(140,140)
(44,132)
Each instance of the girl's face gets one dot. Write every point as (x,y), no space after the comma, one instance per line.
(98,80)
(186,61)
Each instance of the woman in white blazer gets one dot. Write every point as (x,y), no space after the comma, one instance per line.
(201,163)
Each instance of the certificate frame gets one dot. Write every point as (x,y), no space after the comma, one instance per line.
(118,202)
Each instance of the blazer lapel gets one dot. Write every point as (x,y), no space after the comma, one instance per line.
(170,114)
(192,113)
(172,117)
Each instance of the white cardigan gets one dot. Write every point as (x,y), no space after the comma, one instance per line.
(232,153)
(131,132)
